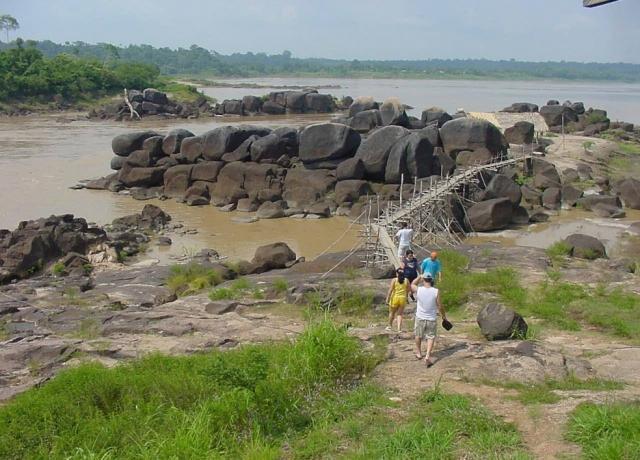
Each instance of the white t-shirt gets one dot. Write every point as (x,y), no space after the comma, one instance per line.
(405,235)
(427,307)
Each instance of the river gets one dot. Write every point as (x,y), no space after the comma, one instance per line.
(621,100)
(42,156)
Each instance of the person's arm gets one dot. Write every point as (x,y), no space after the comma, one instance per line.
(439,271)
(390,290)
(414,285)
(440,307)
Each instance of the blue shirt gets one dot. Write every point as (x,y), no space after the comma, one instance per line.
(430,266)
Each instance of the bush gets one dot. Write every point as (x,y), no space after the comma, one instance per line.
(58,269)
(203,406)
(191,278)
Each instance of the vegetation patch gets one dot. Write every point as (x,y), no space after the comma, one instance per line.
(544,393)
(192,278)
(238,404)
(606,431)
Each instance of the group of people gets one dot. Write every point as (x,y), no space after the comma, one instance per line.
(416,281)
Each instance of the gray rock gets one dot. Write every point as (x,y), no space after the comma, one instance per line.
(520,133)
(251,104)
(551,198)
(365,121)
(589,201)
(503,187)
(272,256)
(351,168)
(172,141)
(247,205)
(435,115)
(392,112)
(411,156)
(349,191)
(607,210)
(467,134)
(585,246)
(629,192)
(489,215)
(498,322)
(521,107)
(327,142)
(362,103)
(220,307)
(571,195)
(125,144)
(270,210)
(374,151)
(554,114)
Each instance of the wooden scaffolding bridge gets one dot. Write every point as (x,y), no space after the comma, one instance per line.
(429,212)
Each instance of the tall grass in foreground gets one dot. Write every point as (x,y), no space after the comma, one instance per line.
(606,431)
(241,403)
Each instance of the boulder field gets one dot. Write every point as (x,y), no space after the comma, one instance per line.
(335,167)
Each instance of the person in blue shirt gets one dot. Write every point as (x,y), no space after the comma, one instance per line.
(432,265)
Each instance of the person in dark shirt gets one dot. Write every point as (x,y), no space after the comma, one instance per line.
(409,265)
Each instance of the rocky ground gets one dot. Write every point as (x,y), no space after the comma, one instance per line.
(50,323)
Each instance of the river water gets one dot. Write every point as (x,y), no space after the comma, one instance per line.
(621,100)
(42,156)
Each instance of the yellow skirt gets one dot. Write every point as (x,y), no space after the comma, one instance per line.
(397,303)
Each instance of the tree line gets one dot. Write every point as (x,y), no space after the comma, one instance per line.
(26,73)
(196,60)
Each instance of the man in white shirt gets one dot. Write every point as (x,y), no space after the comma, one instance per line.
(404,236)
(428,306)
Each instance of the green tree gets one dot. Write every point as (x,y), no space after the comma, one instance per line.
(7,23)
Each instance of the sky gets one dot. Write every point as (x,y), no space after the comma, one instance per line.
(532,30)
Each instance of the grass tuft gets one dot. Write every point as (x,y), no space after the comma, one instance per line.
(191,278)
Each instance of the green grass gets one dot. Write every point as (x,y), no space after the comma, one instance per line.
(237,289)
(557,252)
(280,286)
(543,393)
(191,278)
(58,269)
(595,118)
(444,426)
(607,431)
(342,299)
(181,92)
(239,404)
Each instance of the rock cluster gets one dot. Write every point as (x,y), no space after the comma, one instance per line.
(279,103)
(151,102)
(314,171)
(66,240)
(574,117)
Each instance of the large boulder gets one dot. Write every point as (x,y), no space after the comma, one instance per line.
(435,115)
(585,246)
(226,139)
(272,256)
(154,96)
(374,151)
(589,201)
(365,121)
(232,107)
(362,103)
(246,179)
(242,152)
(177,180)
(270,210)
(305,186)
(571,195)
(206,171)
(629,191)
(494,214)
(553,115)
(251,104)
(131,176)
(172,141)
(392,112)
(295,101)
(501,186)
(349,191)
(351,168)
(468,134)
(273,108)
(282,141)
(326,144)
(498,322)
(606,210)
(411,156)
(125,144)
(552,197)
(521,107)
(319,103)
(545,174)
(191,148)
(520,133)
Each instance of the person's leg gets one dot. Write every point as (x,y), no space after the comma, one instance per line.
(392,315)
(430,334)
(411,292)
(430,343)
(399,318)
(418,349)
(418,332)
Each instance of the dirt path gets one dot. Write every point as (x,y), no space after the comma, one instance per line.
(541,426)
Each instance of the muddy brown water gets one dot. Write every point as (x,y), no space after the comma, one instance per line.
(41,157)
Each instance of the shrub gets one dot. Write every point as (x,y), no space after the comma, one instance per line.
(191,278)
(280,286)
(58,269)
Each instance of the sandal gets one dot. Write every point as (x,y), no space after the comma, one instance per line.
(418,356)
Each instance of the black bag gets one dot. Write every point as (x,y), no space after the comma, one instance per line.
(447,324)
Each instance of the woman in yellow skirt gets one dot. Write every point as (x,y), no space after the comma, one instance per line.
(397,298)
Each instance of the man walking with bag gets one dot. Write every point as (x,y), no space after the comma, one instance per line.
(428,306)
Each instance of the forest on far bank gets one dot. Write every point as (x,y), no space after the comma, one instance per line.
(198,61)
